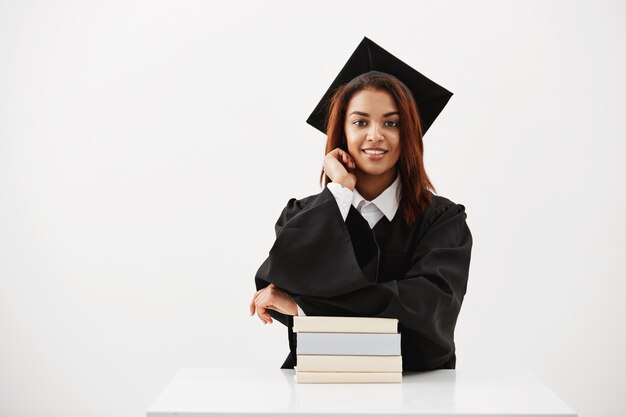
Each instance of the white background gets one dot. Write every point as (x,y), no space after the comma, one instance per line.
(147,148)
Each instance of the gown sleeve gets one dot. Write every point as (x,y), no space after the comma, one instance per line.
(317,253)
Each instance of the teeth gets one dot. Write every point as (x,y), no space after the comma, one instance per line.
(373,152)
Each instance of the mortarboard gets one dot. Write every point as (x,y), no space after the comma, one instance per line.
(430,97)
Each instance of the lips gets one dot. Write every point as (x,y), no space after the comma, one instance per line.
(375,156)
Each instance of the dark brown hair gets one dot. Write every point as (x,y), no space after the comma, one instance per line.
(416,187)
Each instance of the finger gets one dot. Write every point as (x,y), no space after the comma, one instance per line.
(262,303)
(260,309)
(267,303)
(334,165)
(337,153)
(260,295)
(346,157)
(255,306)
(252,303)
(260,312)
(264,315)
(252,306)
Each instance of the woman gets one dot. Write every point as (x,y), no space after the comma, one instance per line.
(376,242)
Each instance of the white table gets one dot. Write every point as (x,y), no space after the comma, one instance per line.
(238,392)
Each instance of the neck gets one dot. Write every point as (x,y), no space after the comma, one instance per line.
(371,186)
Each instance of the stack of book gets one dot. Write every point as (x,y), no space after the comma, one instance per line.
(347,350)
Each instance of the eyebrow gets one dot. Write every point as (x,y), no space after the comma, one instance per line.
(360,113)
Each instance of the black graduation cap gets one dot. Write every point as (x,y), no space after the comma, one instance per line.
(431,98)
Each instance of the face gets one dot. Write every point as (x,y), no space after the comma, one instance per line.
(372,122)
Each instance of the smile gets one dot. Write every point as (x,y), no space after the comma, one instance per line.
(375,155)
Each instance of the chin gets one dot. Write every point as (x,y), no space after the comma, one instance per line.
(378,171)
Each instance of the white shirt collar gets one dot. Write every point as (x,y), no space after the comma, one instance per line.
(387,202)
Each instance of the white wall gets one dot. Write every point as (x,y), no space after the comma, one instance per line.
(147,148)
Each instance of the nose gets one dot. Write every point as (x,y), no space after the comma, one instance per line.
(374,132)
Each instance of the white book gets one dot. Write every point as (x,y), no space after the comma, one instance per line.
(349,363)
(347,377)
(348,344)
(334,324)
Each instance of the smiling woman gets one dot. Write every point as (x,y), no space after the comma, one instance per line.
(373,139)
(394,121)
(377,241)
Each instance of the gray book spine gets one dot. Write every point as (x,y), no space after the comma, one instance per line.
(348,344)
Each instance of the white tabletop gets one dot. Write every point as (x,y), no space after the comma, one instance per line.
(265,392)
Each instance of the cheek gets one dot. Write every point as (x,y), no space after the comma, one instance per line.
(396,153)
(354,153)
(397,159)
(352,144)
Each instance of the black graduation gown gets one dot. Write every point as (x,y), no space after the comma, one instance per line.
(417,274)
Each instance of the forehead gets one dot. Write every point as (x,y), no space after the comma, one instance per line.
(376,101)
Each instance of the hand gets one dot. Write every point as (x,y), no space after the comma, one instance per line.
(272,297)
(339,167)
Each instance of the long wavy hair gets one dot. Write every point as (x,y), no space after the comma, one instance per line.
(417,190)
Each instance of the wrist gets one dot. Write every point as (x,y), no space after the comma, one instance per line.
(346,182)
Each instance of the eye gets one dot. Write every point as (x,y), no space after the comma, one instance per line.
(393,124)
(356,122)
